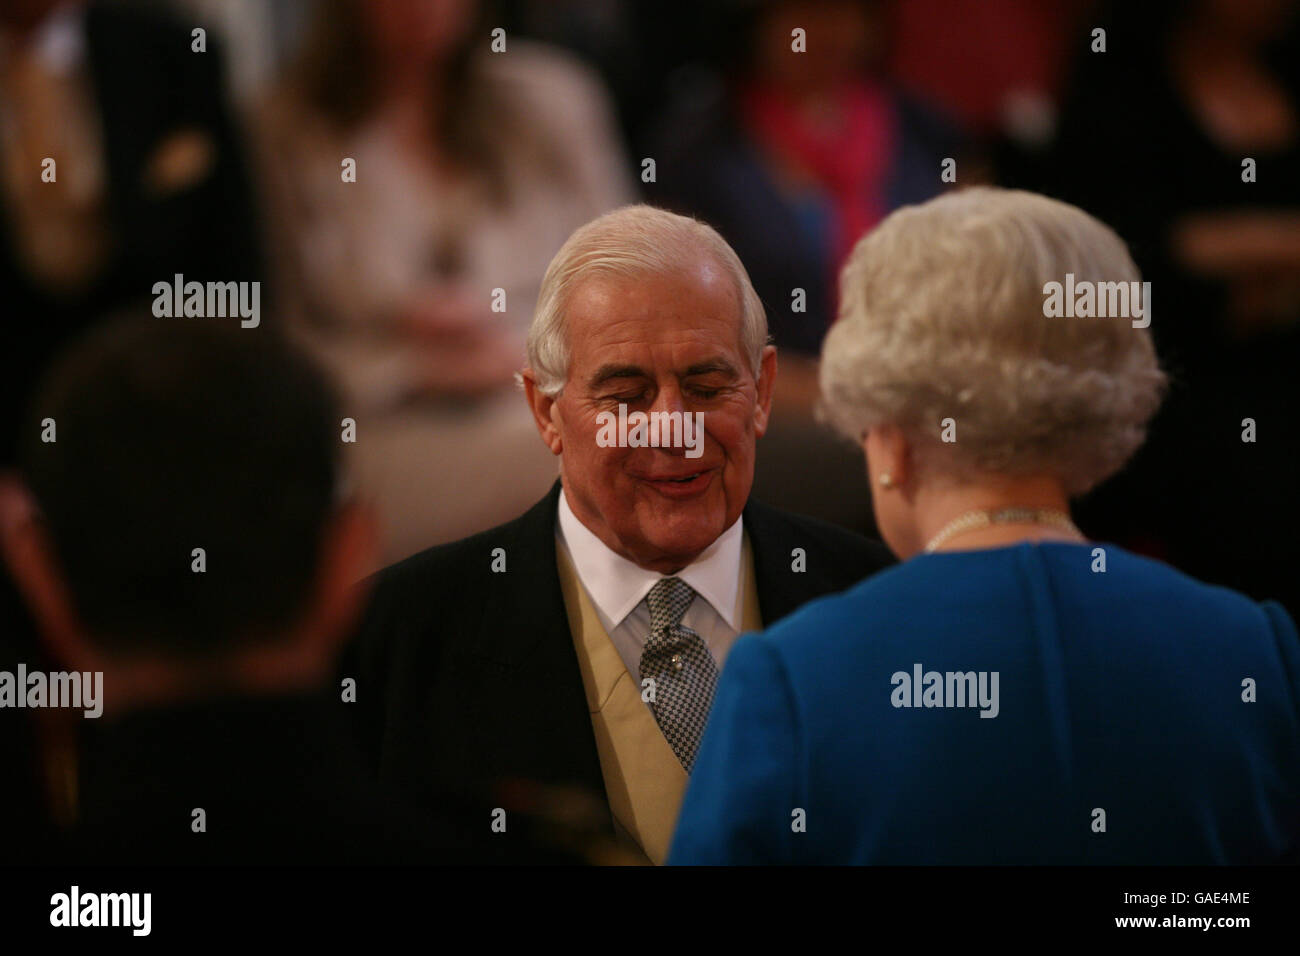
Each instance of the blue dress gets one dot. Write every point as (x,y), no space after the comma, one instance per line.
(1017,705)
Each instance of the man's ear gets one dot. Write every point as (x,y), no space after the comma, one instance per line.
(348,550)
(309,651)
(766,383)
(29,555)
(545,413)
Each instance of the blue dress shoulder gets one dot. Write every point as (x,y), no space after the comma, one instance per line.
(1049,703)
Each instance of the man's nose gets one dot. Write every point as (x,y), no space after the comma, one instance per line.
(677,436)
(669,399)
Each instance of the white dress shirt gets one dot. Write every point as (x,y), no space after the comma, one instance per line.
(617,588)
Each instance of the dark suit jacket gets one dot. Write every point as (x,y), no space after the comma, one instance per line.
(466,676)
(23,805)
(148,88)
(280,782)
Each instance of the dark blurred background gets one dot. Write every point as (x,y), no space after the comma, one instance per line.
(473,166)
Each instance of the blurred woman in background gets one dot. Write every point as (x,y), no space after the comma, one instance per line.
(1197,172)
(804,145)
(415,278)
(801,144)
(1012,692)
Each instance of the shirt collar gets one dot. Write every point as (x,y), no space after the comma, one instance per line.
(616,585)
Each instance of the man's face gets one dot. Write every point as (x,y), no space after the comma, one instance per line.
(658,343)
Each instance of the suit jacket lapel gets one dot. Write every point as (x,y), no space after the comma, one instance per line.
(518,675)
(781,589)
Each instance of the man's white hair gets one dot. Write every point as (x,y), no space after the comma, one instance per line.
(942,316)
(629,242)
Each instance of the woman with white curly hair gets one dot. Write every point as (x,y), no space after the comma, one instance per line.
(1011,692)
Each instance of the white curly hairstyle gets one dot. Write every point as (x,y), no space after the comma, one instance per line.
(942,316)
(632,241)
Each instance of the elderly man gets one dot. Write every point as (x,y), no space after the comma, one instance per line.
(581,643)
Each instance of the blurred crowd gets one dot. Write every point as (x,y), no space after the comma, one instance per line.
(399,187)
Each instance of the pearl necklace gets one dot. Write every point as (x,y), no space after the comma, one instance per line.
(983,518)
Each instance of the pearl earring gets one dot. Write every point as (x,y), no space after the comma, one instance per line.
(886,480)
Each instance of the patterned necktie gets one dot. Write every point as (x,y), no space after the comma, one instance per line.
(682,669)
